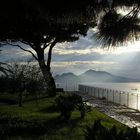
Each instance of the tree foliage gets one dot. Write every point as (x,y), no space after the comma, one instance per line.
(38,19)
(115,27)
(22,77)
(98,132)
(38,25)
(67,103)
(42,24)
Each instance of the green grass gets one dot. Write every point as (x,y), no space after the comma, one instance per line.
(13,98)
(8,98)
(41,121)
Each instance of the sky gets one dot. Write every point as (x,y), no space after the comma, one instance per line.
(85,54)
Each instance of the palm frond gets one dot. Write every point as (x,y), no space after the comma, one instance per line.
(115,29)
(125,3)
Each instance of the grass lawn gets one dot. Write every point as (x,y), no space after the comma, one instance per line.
(41,121)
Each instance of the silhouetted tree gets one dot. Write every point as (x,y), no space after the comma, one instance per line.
(24,77)
(3,67)
(42,25)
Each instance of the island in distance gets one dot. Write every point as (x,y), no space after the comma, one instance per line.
(92,76)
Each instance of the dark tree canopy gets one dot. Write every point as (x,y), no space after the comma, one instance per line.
(116,28)
(41,24)
(30,20)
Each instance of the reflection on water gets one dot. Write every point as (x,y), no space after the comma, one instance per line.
(129,87)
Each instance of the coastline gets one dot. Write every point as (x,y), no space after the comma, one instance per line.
(123,114)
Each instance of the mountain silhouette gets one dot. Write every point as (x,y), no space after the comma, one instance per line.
(92,76)
(67,78)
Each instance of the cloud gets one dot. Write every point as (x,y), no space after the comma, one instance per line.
(10,53)
(79,66)
(84,54)
(74,63)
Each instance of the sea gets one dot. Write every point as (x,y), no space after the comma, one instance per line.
(127,87)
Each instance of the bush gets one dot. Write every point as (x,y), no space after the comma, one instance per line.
(65,105)
(83,108)
(22,77)
(99,132)
(69,102)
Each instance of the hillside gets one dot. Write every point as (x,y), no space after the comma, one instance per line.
(92,76)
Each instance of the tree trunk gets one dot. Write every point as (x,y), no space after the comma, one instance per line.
(50,83)
(20,99)
(46,70)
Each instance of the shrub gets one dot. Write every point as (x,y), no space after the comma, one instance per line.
(83,108)
(98,132)
(69,102)
(65,105)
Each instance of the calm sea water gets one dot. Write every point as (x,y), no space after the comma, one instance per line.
(127,87)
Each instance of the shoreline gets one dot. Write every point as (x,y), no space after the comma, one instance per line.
(123,114)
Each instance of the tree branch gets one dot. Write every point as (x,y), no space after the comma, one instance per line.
(4,70)
(134,12)
(16,45)
(28,43)
(46,45)
(2,63)
(50,52)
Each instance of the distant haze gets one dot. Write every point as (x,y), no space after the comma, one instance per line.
(86,53)
(91,76)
